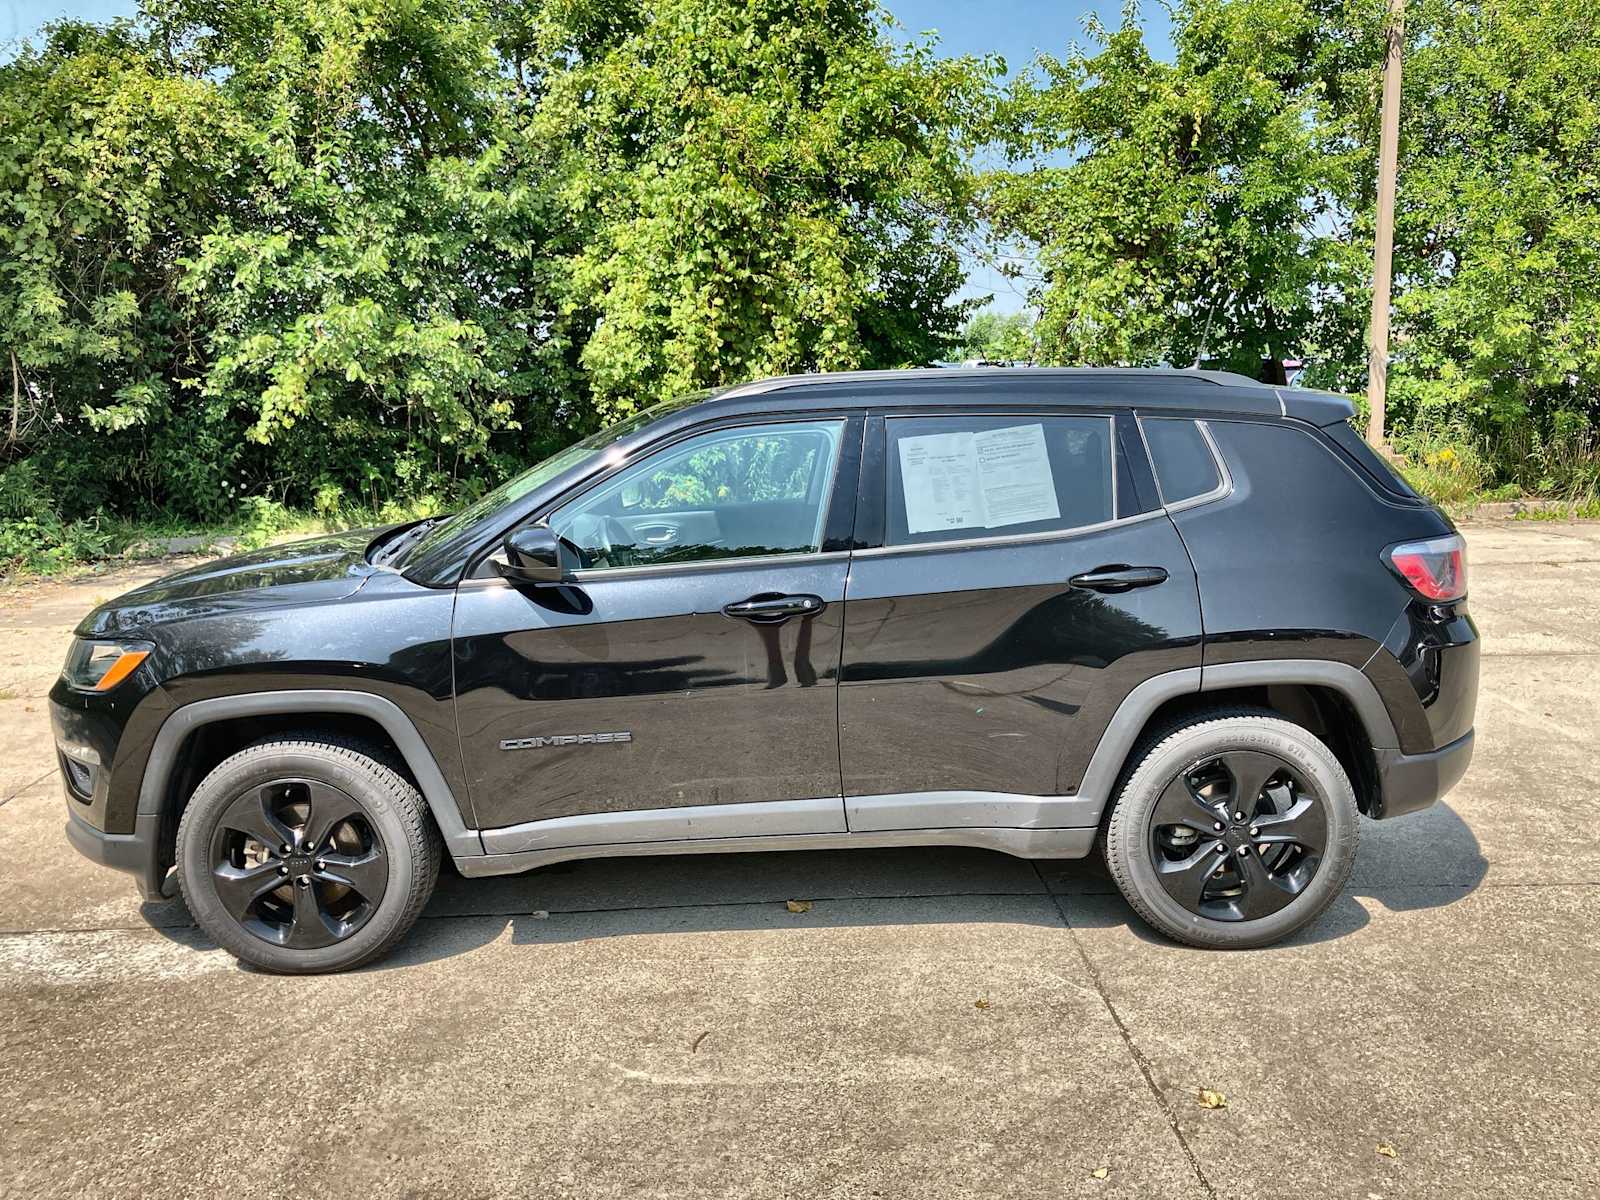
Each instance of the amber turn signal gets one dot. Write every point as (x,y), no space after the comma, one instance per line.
(121,669)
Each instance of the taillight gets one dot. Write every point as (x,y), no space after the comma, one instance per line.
(1435,569)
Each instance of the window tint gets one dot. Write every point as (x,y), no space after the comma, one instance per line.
(961,477)
(1383,472)
(728,493)
(1183,462)
(519,486)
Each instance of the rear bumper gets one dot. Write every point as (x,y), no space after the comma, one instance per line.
(1408,783)
(132,853)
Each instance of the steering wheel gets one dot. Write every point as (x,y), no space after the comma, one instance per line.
(621,549)
(599,540)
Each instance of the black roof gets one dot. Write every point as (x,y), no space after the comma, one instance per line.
(1154,388)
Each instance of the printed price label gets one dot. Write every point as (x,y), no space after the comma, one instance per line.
(977,480)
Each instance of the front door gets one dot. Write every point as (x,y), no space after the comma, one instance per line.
(684,685)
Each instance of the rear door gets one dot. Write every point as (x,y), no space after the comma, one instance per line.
(1017,579)
(692,663)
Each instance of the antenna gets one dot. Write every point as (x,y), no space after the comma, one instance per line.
(1205,337)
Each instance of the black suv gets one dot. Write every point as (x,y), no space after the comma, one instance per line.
(1180,613)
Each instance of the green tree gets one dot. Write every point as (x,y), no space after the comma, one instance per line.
(385,280)
(110,166)
(998,337)
(766,186)
(1203,207)
(378,248)
(1497,245)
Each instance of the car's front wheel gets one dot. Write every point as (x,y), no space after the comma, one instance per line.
(303,856)
(1233,830)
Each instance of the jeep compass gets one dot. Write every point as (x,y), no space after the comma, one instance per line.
(1187,618)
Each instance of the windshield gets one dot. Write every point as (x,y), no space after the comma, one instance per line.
(519,486)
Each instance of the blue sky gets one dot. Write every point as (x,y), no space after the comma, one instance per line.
(1014,29)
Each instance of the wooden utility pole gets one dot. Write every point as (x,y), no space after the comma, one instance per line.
(1383,251)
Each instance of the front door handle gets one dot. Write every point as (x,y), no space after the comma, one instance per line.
(774,610)
(1119,577)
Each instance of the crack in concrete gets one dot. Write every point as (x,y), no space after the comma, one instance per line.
(5,800)
(1537,653)
(1134,1052)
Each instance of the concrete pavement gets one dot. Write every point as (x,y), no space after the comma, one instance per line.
(940,1023)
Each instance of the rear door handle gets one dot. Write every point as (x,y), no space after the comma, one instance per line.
(1119,577)
(774,610)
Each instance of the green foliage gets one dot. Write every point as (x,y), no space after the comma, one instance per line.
(101,184)
(1220,207)
(33,535)
(990,336)
(1198,212)
(358,258)
(1498,231)
(359,252)
(1444,465)
(743,470)
(373,280)
(770,186)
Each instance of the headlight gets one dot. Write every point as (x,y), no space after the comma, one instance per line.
(100,666)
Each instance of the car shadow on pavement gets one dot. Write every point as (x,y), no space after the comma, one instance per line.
(1427,860)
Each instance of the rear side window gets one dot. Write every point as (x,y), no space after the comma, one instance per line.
(1380,469)
(959,477)
(1185,466)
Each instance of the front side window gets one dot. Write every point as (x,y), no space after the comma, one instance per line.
(513,489)
(744,492)
(959,477)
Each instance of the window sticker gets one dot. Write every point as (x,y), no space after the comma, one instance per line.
(939,474)
(1014,473)
(977,480)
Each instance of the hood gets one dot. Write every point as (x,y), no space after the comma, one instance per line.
(312,571)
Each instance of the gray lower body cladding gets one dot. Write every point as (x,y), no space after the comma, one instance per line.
(1028,826)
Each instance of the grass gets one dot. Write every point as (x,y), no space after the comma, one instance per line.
(66,549)
(1583,510)
(1458,472)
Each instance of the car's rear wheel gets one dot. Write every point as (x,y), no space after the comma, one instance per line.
(304,856)
(1233,830)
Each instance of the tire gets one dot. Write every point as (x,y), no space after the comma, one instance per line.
(1279,868)
(371,870)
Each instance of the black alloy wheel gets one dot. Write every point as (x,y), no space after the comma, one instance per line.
(306,854)
(1238,835)
(298,864)
(1233,828)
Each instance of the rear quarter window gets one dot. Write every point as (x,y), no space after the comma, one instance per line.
(1184,465)
(1377,468)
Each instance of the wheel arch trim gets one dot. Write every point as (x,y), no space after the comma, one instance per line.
(1137,707)
(175,730)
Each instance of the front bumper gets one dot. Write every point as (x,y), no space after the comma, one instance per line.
(135,853)
(1408,783)
(102,744)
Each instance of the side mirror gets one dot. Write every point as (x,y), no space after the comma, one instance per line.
(533,555)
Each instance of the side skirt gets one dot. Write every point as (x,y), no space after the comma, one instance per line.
(1024,843)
